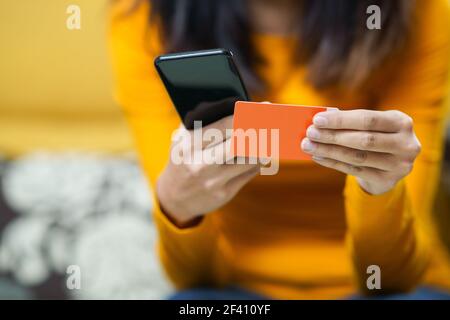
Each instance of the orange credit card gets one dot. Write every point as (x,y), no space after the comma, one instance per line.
(266,130)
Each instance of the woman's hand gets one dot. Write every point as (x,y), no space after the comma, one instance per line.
(378,147)
(186,191)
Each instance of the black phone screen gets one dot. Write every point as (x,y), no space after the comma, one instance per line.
(203,85)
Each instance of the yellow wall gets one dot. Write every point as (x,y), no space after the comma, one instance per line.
(55,84)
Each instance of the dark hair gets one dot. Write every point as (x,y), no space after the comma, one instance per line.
(336,45)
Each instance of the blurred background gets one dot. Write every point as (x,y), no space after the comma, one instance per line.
(71,190)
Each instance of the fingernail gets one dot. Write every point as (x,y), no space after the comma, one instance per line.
(315,158)
(312,133)
(320,121)
(307,145)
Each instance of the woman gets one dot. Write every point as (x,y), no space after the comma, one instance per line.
(314,229)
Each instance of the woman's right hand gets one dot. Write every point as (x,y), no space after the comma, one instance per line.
(187,191)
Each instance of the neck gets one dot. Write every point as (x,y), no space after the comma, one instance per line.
(274,16)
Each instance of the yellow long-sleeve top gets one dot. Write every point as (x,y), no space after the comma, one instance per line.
(308,232)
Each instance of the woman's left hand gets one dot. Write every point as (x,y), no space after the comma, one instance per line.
(377,147)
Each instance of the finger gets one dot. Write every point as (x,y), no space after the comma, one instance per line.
(221,155)
(237,183)
(206,137)
(368,174)
(370,141)
(224,125)
(209,111)
(365,120)
(218,154)
(220,173)
(382,161)
(231,171)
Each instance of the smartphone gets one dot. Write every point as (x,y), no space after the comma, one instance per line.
(203,85)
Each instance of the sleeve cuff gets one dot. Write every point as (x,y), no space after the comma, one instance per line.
(166,225)
(366,212)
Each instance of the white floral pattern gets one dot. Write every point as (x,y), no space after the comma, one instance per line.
(87,210)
